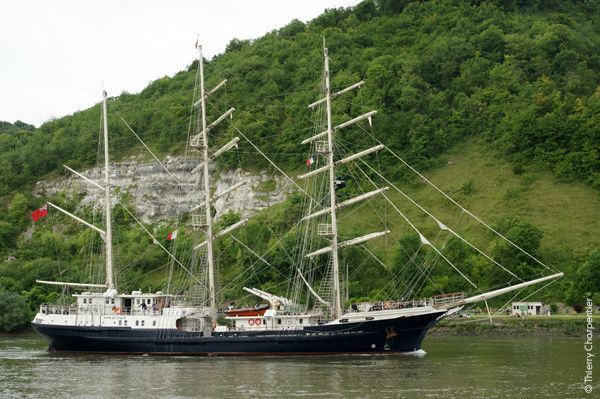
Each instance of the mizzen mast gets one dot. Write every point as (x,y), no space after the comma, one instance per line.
(110,282)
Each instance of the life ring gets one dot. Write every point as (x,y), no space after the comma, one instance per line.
(118,310)
(251,322)
(257,322)
(387,305)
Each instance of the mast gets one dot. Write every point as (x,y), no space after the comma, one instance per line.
(205,160)
(110,284)
(337,307)
(325,148)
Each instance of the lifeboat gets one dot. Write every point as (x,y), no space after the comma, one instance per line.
(249,311)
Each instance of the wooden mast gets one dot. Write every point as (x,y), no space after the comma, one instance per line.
(110,283)
(206,177)
(337,306)
(326,148)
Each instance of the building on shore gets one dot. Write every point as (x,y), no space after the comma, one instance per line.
(529,309)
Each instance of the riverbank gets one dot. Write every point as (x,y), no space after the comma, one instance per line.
(506,326)
(502,326)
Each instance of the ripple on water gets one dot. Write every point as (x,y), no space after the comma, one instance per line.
(473,367)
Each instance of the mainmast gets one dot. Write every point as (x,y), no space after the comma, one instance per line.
(200,142)
(206,176)
(110,283)
(337,307)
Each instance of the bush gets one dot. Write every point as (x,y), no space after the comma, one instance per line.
(14,312)
(468,187)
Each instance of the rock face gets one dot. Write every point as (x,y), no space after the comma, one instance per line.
(161,195)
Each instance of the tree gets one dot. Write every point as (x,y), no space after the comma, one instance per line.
(587,279)
(527,237)
(14,312)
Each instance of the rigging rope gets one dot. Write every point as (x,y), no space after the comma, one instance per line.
(419,233)
(466,210)
(151,153)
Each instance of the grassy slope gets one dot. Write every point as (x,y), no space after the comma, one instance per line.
(549,326)
(567,212)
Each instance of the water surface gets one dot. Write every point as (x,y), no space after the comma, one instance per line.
(452,367)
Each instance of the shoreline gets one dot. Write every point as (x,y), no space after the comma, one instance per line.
(502,326)
(506,326)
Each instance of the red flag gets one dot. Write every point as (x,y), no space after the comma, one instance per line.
(39,213)
(309,162)
(172,235)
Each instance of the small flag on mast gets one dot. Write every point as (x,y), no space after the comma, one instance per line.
(172,235)
(309,162)
(39,213)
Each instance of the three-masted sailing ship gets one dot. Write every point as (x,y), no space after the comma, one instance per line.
(106,321)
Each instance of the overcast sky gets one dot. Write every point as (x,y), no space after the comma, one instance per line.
(57,55)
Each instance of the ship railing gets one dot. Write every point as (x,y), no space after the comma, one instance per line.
(445,299)
(58,309)
(85,310)
(388,305)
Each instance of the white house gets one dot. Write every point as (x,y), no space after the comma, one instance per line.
(528,309)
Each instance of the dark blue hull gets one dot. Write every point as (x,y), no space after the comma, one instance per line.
(402,334)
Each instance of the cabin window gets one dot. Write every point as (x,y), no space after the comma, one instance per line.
(112,301)
(84,300)
(137,322)
(233,324)
(125,322)
(264,321)
(90,300)
(120,322)
(153,323)
(278,321)
(300,321)
(142,323)
(106,301)
(148,301)
(137,301)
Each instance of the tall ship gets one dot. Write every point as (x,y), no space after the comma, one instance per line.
(310,320)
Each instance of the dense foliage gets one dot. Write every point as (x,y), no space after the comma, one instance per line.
(522,75)
(14,312)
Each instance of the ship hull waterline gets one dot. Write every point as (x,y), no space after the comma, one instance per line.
(391,336)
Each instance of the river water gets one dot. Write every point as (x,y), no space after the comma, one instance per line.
(451,367)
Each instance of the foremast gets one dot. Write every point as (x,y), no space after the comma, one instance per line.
(337,306)
(326,148)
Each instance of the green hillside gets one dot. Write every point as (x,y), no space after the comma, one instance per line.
(476,175)
(497,101)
